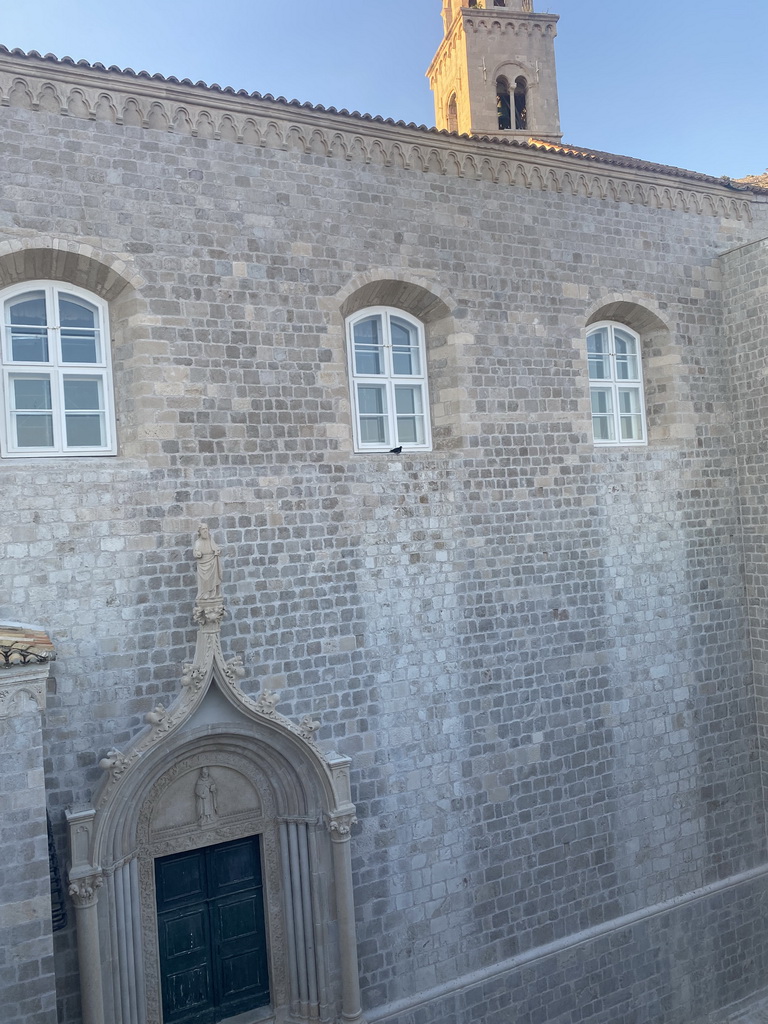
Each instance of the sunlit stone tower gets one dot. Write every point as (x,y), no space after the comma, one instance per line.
(494,72)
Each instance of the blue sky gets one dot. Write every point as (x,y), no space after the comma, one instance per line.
(674,81)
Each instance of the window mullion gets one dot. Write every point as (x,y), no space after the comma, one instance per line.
(57,402)
(392,440)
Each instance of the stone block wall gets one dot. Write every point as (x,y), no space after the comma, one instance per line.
(27,978)
(745,274)
(536,652)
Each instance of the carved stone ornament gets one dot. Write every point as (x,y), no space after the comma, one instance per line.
(340,826)
(308,727)
(16,699)
(84,891)
(208,613)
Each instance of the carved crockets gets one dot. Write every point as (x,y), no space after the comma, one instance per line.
(196,677)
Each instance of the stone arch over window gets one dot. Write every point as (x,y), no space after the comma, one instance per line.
(119,285)
(669,410)
(432,306)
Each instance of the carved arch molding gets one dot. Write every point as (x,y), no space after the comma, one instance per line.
(258,792)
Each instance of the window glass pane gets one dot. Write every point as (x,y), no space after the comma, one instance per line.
(34,431)
(371,399)
(410,415)
(405,348)
(630,419)
(602,414)
(79,335)
(82,394)
(598,355)
(627,364)
(28,310)
(79,346)
(372,409)
(84,430)
(29,345)
(74,312)
(26,328)
(31,393)
(369,353)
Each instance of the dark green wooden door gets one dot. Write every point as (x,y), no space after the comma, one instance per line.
(210,917)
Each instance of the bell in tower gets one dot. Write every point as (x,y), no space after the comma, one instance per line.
(494,72)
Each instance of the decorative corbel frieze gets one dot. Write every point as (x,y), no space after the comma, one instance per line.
(264,122)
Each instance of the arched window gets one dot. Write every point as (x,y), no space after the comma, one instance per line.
(452,115)
(389,381)
(55,359)
(503,104)
(616,384)
(521,104)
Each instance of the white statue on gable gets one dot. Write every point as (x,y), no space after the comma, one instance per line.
(208,568)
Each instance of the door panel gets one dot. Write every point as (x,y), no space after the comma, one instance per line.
(185,958)
(212,937)
(235,867)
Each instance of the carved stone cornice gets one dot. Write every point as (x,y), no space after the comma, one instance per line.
(84,891)
(151,102)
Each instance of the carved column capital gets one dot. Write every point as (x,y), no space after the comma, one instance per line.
(340,826)
(84,891)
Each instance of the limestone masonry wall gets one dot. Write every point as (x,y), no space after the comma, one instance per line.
(536,652)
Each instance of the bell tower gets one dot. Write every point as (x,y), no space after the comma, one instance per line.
(494,72)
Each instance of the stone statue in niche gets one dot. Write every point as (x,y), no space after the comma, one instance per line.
(205,798)
(208,566)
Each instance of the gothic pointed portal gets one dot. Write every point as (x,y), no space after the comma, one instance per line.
(212,874)
(494,72)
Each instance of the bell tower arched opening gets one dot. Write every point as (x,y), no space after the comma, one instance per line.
(497,58)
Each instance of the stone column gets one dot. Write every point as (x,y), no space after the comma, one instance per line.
(27,981)
(84,893)
(340,826)
(85,880)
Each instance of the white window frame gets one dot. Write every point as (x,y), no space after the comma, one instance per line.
(614,384)
(56,371)
(388,380)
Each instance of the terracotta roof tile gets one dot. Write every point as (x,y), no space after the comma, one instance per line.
(24,645)
(756,180)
